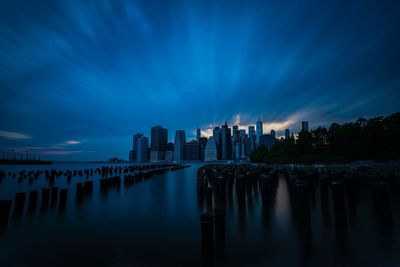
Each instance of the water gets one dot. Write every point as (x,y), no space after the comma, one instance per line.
(156,222)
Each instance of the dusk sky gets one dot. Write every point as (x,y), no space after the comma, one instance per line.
(79,78)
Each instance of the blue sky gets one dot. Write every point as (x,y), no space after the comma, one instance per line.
(78,78)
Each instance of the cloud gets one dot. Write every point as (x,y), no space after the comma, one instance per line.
(184,60)
(66,143)
(14,135)
(72,142)
(60,153)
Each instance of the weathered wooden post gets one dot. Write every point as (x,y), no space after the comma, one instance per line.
(63,199)
(33,198)
(54,197)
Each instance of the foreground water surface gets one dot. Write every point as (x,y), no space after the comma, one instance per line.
(156,222)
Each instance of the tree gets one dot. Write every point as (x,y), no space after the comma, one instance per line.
(373,139)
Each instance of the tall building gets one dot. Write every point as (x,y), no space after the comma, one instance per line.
(304,126)
(287,134)
(192,151)
(234,144)
(242,133)
(132,154)
(202,142)
(159,139)
(244,150)
(252,131)
(169,154)
(259,130)
(272,133)
(142,152)
(198,134)
(226,144)
(235,132)
(217,140)
(249,146)
(252,140)
(210,154)
(179,145)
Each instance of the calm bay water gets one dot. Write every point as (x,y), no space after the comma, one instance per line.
(156,222)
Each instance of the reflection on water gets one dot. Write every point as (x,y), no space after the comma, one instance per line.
(168,219)
(282,207)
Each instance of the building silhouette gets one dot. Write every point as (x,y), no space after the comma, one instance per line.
(210,153)
(218,140)
(304,126)
(202,142)
(132,153)
(235,132)
(198,134)
(192,151)
(179,145)
(142,152)
(252,139)
(159,139)
(252,131)
(169,154)
(259,130)
(226,142)
(242,133)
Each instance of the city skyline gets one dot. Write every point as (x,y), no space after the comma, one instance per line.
(78,78)
(171,137)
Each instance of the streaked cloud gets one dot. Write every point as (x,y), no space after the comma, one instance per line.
(60,152)
(104,70)
(72,142)
(14,135)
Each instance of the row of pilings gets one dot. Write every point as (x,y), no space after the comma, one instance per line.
(53,175)
(337,190)
(55,197)
(52,198)
(216,184)
(339,193)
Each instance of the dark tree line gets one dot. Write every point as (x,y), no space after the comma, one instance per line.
(373,139)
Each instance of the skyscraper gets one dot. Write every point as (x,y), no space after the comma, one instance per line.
(304,126)
(217,141)
(259,130)
(226,144)
(252,140)
(135,144)
(252,131)
(198,134)
(202,142)
(210,154)
(179,145)
(142,152)
(242,133)
(159,139)
(192,151)
(235,132)
(132,157)
(169,154)
(244,151)
(272,133)
(287,134)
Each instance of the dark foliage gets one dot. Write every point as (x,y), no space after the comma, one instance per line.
(372,139)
